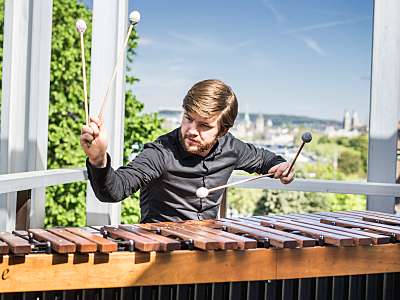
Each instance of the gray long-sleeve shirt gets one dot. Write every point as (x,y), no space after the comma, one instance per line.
(168,177)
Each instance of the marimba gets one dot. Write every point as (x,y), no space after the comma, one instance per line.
(329,255)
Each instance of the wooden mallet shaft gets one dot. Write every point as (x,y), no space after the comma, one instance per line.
(134,18)
(81,28)
(306,138)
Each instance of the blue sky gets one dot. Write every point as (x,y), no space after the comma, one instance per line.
(301,57)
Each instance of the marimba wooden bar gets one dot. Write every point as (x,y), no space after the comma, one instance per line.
(332,255)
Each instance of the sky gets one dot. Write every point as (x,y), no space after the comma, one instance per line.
(299,57)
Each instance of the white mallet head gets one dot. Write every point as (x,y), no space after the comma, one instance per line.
(202,192)
(80,26)
(134,17)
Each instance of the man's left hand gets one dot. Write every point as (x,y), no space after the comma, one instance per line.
(280,171)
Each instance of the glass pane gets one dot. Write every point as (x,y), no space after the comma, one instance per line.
(295,67)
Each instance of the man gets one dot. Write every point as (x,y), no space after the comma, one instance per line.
(200,153)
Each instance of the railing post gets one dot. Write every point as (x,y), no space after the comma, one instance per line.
(25,100)
(385,99)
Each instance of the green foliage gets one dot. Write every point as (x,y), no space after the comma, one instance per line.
(346,202)
(360,144)
(243,201)
(130,212)
(285,202)
(349,162)
(65,205)
(277,201)
(333,148)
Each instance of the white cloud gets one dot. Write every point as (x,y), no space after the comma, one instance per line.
(279,17)
(205,43)
(313,45)
(145,41)
(327,25)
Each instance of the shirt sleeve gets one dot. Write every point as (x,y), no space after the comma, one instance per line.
(111,185)
(254,160)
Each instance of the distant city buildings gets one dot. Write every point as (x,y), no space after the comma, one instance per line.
(278,132)
(275,132)
(278,129)
(352,126)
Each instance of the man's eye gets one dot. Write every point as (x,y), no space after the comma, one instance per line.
(206,126)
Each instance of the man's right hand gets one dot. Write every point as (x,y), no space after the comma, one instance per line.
(94,142)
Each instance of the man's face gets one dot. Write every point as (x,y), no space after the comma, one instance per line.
(199,135)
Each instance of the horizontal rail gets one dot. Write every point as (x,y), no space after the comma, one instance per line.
(29,180)
(325,186)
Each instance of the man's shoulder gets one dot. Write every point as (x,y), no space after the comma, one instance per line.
(165,142)
(230,140)
(234,144)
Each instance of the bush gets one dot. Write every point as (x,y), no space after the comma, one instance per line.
(349,162)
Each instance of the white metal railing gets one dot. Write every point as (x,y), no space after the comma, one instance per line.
(325,186)
(35,179)
(29,180)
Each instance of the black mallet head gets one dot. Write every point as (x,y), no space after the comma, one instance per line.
(306,137)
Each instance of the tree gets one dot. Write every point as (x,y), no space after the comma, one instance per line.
(360,144)
(243,201)
(349,162)
(65,204)
(284,202)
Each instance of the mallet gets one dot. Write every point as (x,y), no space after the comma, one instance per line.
(203,192)
(81,28)
(134,18)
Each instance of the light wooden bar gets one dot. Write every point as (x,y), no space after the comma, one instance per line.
(45,272)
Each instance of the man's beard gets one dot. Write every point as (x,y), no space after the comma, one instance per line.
(197,149)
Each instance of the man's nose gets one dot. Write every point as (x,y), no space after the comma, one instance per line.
(193,129)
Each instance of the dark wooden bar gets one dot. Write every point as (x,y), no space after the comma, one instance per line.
(198,241)
(82,245)
(274,239)
(326,237)
(16,244)
(103,245)
(302,241)
(139,242)
(57,243)
(166,244)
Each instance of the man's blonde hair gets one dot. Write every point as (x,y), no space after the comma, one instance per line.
(210,97)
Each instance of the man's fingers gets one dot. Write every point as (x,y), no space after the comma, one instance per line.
(280,169)
(96,120)
(86,138)
(287,179)
(86,129)
(95,128)
(278,173)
